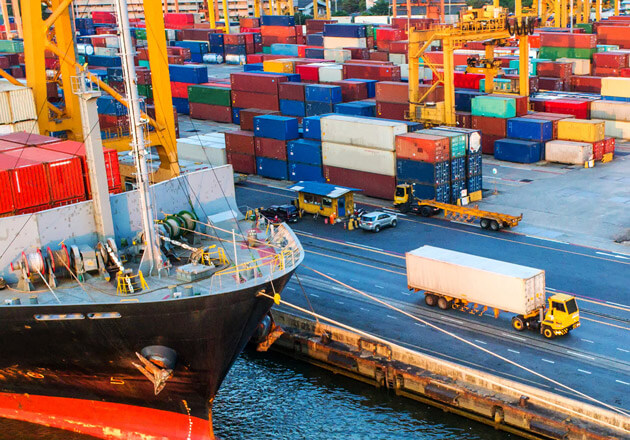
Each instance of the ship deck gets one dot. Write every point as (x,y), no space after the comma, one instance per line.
(239,261)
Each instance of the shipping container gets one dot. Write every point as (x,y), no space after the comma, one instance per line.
(213,95)
(292,108)
(473,137)
(242,163)
(371,184)
(29,181)
(514,150)
(257,81)
(293,91)
(19,102)
(312,127)
(458,169)
(241,142)
(272,168)
(611,110)
(491,106)
(365,132)
(358,108)
(319,108)
(474,183)
(276,127)
(307,172)
(347,30)
(359,158)
(581,130)
(457,141)
(487,142)
(423,147)
(247,117)
(305,151)
(576,153)
(210,112)
(530,129)
(255,100)
(392,110)
(369,83)
(271,148)
(352,90)
(463,99)
(322,93)
(189,73)
(436,173)
(492,283)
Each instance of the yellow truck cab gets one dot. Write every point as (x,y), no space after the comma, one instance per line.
(403,195)
(561,316)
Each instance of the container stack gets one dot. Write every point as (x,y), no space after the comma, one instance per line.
(241,151)
(292,99)
(256,90)
(526,140)
(586,141)
(210,102)
(392,100)
(554,45)
(490,115)
(321,98)
(279,29)
(183,76)
(554,75)
(360,153)
(305,160)
(272,133)
(17,109)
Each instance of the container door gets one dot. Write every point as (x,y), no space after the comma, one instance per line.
(341,207)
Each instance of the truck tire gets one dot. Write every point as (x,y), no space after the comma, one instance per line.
(430,299)
(426,211)
(484,223)
(443,304)
(394,223)
(377,228)
(518,323)
(547,332)
(494,225)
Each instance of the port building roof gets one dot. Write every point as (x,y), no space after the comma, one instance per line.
(322,189)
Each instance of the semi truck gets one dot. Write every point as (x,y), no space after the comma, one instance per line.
(475,284)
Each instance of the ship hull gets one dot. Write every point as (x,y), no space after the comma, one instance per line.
(92,360)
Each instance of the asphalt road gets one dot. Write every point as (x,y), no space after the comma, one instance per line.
(593,359)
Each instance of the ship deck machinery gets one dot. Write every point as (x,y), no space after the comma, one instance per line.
(159,344)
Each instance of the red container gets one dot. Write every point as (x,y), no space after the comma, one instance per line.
(463,80)
(308,72)
(587,84)
(374,185)
(558,39)
(209,112)
(180,89)
(7,146)
(370,71)
(609,145)
(178,18)
(314,26)
(616,60)
(242,163)
(258,82)
(255,58)
(392,91)
(555,84)
(598,149)
(268,40)
(29,182)
(195,34)
(278,31)
(359,53)
(606,71)
(23,138)
(391,110)
(490,126)
(554,69)
(102,17)
(625,73)
(112,167)
(271,148)
(351,90)
(112,121)
(537,104)
(263,101)
(379,56)
(182,52)
(422,147)
(487,142)
(389,34)
(175,59)
(617,35)
(241,142)
(417,23)
(247,117)
(236,39)
(249,22)
(576,107)
(399,46)
(293,91)
(7,206)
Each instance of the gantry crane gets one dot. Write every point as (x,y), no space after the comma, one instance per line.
(55,35)
(488,24)
(559,12)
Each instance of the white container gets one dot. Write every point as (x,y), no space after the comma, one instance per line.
(85,49)
(359,158)
(330,72)
(337,55)
(574,153)
(202,150)
(20,100)
(341,42)
(235,59)
(617,129)
(404,71)
(610,110)
(580,66)
(619,87)
(106,51)
(496,284)
(398,58)
(363,132)
(27,126)
(5,109)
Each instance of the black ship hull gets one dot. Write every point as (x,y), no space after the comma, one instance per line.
(79,371)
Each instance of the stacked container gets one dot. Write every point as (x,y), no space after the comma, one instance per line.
(272,133)
(305,160)
(392,99)
(279,29)
(211,103)
(554,45)
(181,77)
(256,90)
(240,150)
(526,140)
(490,115)
(321,98)
(474,179)
(292,99)
(581,130)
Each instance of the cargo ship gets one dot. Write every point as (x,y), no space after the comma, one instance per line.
(121,316)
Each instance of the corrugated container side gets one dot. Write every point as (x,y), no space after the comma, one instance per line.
(581,130)
(305,151)
(373,185)
(271,148)
(242,163)
(365,132)
(493,107)
(303,171)
(437,173)
(576,153)
(273,168)
(530,129)
(359,158)
(240,142)
(21,101)
(5,109)
(610,110)
(422,147)
(514,150)
(30,186)
(7,205)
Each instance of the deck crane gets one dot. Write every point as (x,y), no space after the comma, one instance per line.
(489,24)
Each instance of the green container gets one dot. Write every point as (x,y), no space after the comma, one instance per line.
(494,107)
(457,141)
(210,95)
(588,27)
(554,53)
(144,63)
(11,46)
(607,47)
(141,34)
(145,90)
(267,49)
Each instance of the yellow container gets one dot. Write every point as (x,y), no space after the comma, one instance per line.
(279,66)
(581,130)
(614,86)
(475,196)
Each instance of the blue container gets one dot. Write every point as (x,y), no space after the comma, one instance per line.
(463,99)
(277,20)
(292,108)
(474,163)
(103,61)
(219,50)
(196,57)
(347,30)
(312,127)
(458,169)
(291,77)
(302,171)
(322,93)
(475,183)
(615,98)
(181,105)
(198,47)
(83,23)
(318,108)
(188,73)
(371,85)
(107,105)
(356,108)
(423,172)
(235,49)
(305,151)
(255,67)
(439,193)
(514,150)
(284,49)
(314,52)
(236,115)
(316,39)
(273,168)
(276,127)
(538,130)
(215,39)
(457,188)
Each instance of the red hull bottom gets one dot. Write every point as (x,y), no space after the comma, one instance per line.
(103,419)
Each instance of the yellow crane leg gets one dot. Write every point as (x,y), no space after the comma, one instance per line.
(449,83)
(523,65)
(489,85)
(598,10)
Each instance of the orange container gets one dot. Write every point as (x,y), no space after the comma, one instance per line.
(422,147)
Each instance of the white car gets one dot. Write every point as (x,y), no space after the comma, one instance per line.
(377,220)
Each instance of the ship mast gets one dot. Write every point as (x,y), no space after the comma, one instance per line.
(152,258)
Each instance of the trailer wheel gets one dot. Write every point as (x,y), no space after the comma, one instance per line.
(518,323)
(494,225)
(443,303)
(484,223)
(547,332)
(430,299)
(426,211)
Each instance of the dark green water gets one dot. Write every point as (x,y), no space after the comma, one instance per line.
(267,396)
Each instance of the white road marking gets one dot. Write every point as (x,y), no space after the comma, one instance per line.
(445,318)
(339,302)
(369,247)
(314,294)
(364,309)
(612,255)
(353,280)
(481,342)
(420,325)
(406,293)
(290,288)
(513,336)
(378,287)
(549,288)
(587,340)
(616,304)
(621,349)
(338,289)
(514,351)
(621,381)
(580,355)
(392,317)
(584,371)
(547,360)
(330,274)
(303,232)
